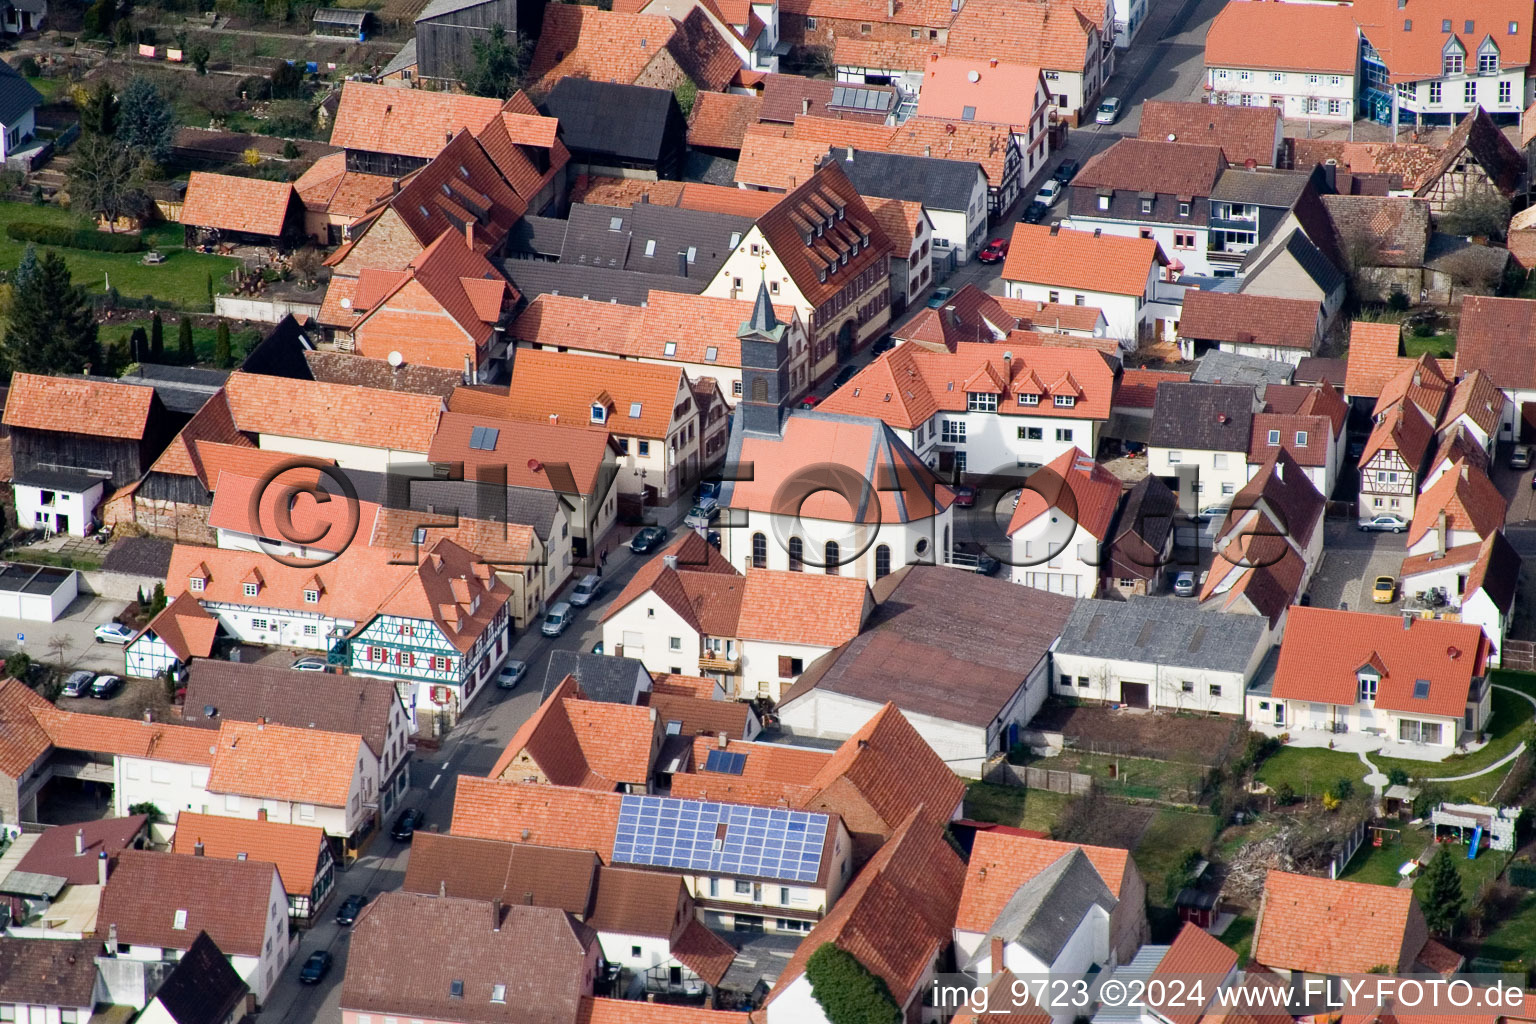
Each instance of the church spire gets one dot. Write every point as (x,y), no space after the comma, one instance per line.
(763,321)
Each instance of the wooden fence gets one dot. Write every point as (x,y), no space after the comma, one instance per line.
(1029,777)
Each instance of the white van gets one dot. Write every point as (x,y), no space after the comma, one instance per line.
(556,621)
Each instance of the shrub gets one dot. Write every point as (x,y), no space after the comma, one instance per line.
(28,67)
(1397,302)
(1342,789)
(1397,777)
(16,665)
(1424,329)
(73,238)
(290,150)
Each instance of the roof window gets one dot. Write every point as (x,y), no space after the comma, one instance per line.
(1407,24)
(483,439)
(1469,26)
(1421,689)
(634,410)
(650,247)
(1514,28)
(615,223)
(464,172)
(669,349)
(735,239)
(456,988)
(1445,24)
(967,113)
(693,251)
(711,354)
(180,923)
(498,993)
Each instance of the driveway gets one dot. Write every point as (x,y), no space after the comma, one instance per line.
(1351,562)
(69,643)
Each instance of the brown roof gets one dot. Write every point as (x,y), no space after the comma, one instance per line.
(1052,35)
(785,97)
(1288,426)
(1243,318)
(1336,927)
(1459,445)
(1497,336)
(900,219)
(228,899)
(719,120)
(1471,502)
(786,226)
(53,852)
(487,869)
(1479,399)
(328,187)
(333,412)
(896,914)
(536,954)
(48,972)
(1001,862)
(1285,37)
(1419,381)
(893,54)
(229,203)
(360,371)
(1174,168)
(634,902)
(1044,254)
(408,122)
(699,715)
(703,952)
(573,741)
(1393,230)
(619,46)
(295,849)
(1243,133)
(1374,357)
(185,627)
(1407,163)
(72,405)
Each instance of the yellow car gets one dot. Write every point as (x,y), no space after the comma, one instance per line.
(1385,590)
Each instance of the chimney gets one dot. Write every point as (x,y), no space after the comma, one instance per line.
(1440,528)
(496,914)
(261,814)
(997,955)
(468,369)
(554,419)
(682,264)
(1279,470)
(149,715)
(101,868)
(1055,230)
(442,887)
(992,62)
(261,722)
(890,8)
(1407,621)
(670,561)
(805,105)
(112,940)
(528,899)
(469,234)
(722,740)
(197,848)
(79,841)
(849,156)
(927,151)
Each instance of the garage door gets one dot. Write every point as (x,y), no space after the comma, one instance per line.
(1137,695)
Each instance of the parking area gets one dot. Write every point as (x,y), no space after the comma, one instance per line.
(1351,562)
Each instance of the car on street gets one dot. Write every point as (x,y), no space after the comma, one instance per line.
(994,251)
(1520,457)
(1184,584)
(350,907)
(1387,523)
(1050,191)
(1109,111)
(78,684)
(1384,590)
(406,824)
(308,663)
(884,343)
(315,968)
(702,515)
(844,375)
(511,674)
(939,297)
(1066,171)
(589,587)
(113,633)
(1217,513)
(1034,213)
(810,401)
(106,687)
(647,540)
(965,496)
(557,619)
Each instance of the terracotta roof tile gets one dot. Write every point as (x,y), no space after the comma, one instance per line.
(227,899)
(698,715)
(22,737)
(1000,863)
(786,97)
(185,628)
(575,819)
(629,1011)
(549,384)
(597,190)
(1323,649)
(813,609)
(1336,927)
(1076,484)
(1403,429)
(719,120)
(885,54)
(487,869)
(1291,37)
(533,454)
(460,189)
(1244,318)
(213,422)
(1042,254)
(1243,133)
(636,902)
(1471,502)
(572,741)
(1286,428)
(280,762)
(705,954)
(336,309)
(828,192)
(1497,336)
(1458,445)
(1138,388)
(295,849)
(672,684)
(1176,168)
(774,161)
(1052,35)
(153,741)
(900,220)
(525,146)
(72,405)
(292,494)
(328,187)
(1194,951)
(1479,399)
(408,122)
(510,547)
(1413,56)
(228,203)
(1373,357)
(333,412)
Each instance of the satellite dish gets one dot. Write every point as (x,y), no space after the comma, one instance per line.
(346,303)
(396,360)
(1172,137)
(535,466)
(973,76)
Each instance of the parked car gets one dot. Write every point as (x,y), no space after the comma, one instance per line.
(557,619)
(587,588)
(1066,171)
(511,673)
(315,968)
(598,648)
(844,375)
(1388,523)
(1034,213)
(884,343)
(406,824)
(1216,513)
(810,401)
(1109,111)
(1520,457)
(308,663)
(350,907)
(702,515)
(707,489)
(980,563)
(106,687)
(939,297)
(647,540)
(995,251)
(78,684)
(965,496)
(1384,590)
(1050,191)
(1184,584)
(113,633)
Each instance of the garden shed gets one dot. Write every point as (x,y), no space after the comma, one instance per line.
(338,21)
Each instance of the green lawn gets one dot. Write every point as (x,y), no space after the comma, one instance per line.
(52,89)
(1379,865)
(1414,346)
(1310,771)
(1474,873)
(1514,938)
(1036,809)
(240,342)
(1143,777)
(1510,714)
(1239,935)
(1166,846)
(181,280)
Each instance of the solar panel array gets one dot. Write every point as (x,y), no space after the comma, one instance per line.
(728,839)
(860,99)
(725,762)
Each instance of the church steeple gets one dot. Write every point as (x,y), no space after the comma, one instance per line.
(763,321)
(764,366)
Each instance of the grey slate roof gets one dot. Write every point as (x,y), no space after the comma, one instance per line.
(1042,915)
(1162,631)
(1309,257)
(16,95)
(406,58)
(1203,417)
(603,677)
(674,230)
(1278,189)
(936,183)
(59,480)
(627,121)
(536,236)
(183,389)
(537,277)
(203,988)
(1218,367)
(1451,253)
(439,7)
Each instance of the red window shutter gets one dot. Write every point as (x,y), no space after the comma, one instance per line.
(785,668)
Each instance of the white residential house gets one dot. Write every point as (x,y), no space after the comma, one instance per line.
(18,100)
(1302,58)
(57,501)
(1124,277)
(1200,437)
(1462,507)
(1477,581)
(1060,524)
(1480,57)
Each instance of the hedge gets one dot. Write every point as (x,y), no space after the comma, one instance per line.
(73,238)
(846,990)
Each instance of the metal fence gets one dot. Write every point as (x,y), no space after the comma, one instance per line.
(1347,851)
(1519,655)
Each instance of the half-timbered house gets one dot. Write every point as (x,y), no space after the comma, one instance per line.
(1390,464)
(181,632)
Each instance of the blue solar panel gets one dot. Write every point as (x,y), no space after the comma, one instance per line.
(724,762)
(729,839)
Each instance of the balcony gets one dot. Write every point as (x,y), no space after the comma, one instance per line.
(711,662)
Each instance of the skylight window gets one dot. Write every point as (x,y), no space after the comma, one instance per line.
(1421,689)
(615,223)
(498,993)
(693,252)
(669,349)
(711,354)
(180,924)
(483,439)
(650,247)
(967,113)
(456,988)
(464,172)
(634,410)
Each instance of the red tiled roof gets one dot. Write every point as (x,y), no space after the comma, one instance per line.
(294,494)
(573,741)
(295,849)
(333,412)
(1194,951)
(631,1011)
(1327,926)
(1314,452)
(814,609)
(1043,254)
(697,714)
(1413,56)
(1138,388)
(71,405)
(328,187)
(460,190)
(146,896)
(1373,357)
(508,139)
(1471,502)
(229,203)
(1498,336)
(547,386)
(770,159)
(900,219)
(1001,862)
(212,423)
(1243,133)
(531,454)
(1074,483)
(1246,319)
(719,120)
(1419,381)
(1403,429)
(887,767)
(1323,649)
(1479,399)
(408,122)
(185,628)
(786,226)
(280,762)
(1286,37)
(1052,35)
(884,54)
(573,819)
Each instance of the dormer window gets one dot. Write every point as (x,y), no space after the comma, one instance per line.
(251,589)
(1488,58)
(196,583)
(1029,399)
(311,597)
(1066,401)
(980,401)
(1274,438)
(1453,58)
(599,412)
(1301,438)
(822,275)
(1368,682)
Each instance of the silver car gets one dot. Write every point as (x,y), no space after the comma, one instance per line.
(1388,523)
(78,684)
(511,674)
(1184,584)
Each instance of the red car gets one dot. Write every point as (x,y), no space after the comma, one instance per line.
(995,252)
(965,497)
(810,401)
